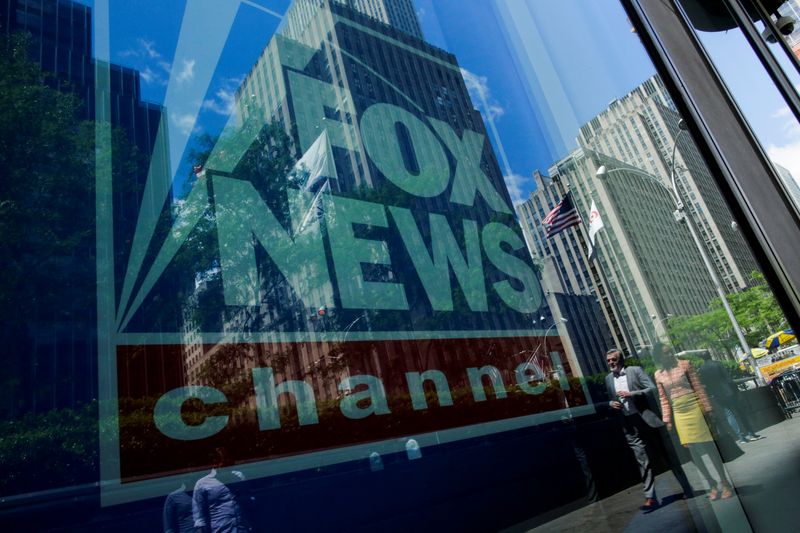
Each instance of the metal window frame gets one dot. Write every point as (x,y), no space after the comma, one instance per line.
(766,214)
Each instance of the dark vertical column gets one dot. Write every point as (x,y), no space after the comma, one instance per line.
(768,218)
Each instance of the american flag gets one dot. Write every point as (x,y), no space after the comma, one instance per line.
(561,217)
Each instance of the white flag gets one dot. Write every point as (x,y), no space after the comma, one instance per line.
(595,225)
(315,166)
(312,174)
(316,210)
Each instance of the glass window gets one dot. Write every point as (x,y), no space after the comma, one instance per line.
(766,110)
(397,264)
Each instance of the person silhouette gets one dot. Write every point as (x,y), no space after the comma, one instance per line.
(724,396)
(177,515)
(633,394)
(684,404)
(220,499)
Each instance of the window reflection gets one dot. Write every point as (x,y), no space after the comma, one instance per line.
(275,252)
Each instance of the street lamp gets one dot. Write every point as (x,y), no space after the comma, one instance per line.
(681,214)
(541,344)
(554,324)
(661,320)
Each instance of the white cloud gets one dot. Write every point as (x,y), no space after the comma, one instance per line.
(146,50)
(481,95)
(147,75)
(184,122)
(514,184)
(787,156)
(153,68)
(224,100)
(152,77)
(223,103)
(789,127)
(782,112)
(482,99)
(149,48)
(187,71)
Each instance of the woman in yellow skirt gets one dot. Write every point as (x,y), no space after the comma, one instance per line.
(683,404)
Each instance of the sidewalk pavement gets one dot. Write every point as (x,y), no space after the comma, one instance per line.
(766,479)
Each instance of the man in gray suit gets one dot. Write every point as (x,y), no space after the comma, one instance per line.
(633,394)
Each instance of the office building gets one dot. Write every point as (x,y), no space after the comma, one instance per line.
(353,62)
(60,355)
(640,238)
(640,129)
(789,182)
(586,331)
(399,14)
(218,366)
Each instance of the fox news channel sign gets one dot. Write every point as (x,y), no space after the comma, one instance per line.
(336,320)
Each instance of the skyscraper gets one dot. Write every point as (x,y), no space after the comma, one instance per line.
(564,266)
(789,182)
(640,129)
(387,256)
(61,44)
(647,262)
(61,353)
(325,77)
(398,14)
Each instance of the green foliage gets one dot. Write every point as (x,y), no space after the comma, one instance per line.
(711,330)
(46,161)
(755,308)
(47,196)
(266,164)
(735,371)
(48,450)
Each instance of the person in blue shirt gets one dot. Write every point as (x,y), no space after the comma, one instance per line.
(220,500)
(178,510)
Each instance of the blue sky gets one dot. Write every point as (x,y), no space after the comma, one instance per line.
(761,103)
(503,46)
(542,78)
(536,69)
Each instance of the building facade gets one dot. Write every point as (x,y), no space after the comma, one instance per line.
(399,14)
(336,321)
(641,129)
(60,354)
(640,237)
(329,68)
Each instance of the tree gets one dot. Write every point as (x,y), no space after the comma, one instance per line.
(755,308)
(47,222)
(46,194)
(711,330)
(267,164)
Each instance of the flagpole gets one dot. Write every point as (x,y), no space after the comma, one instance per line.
(681,214)
(622,328)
